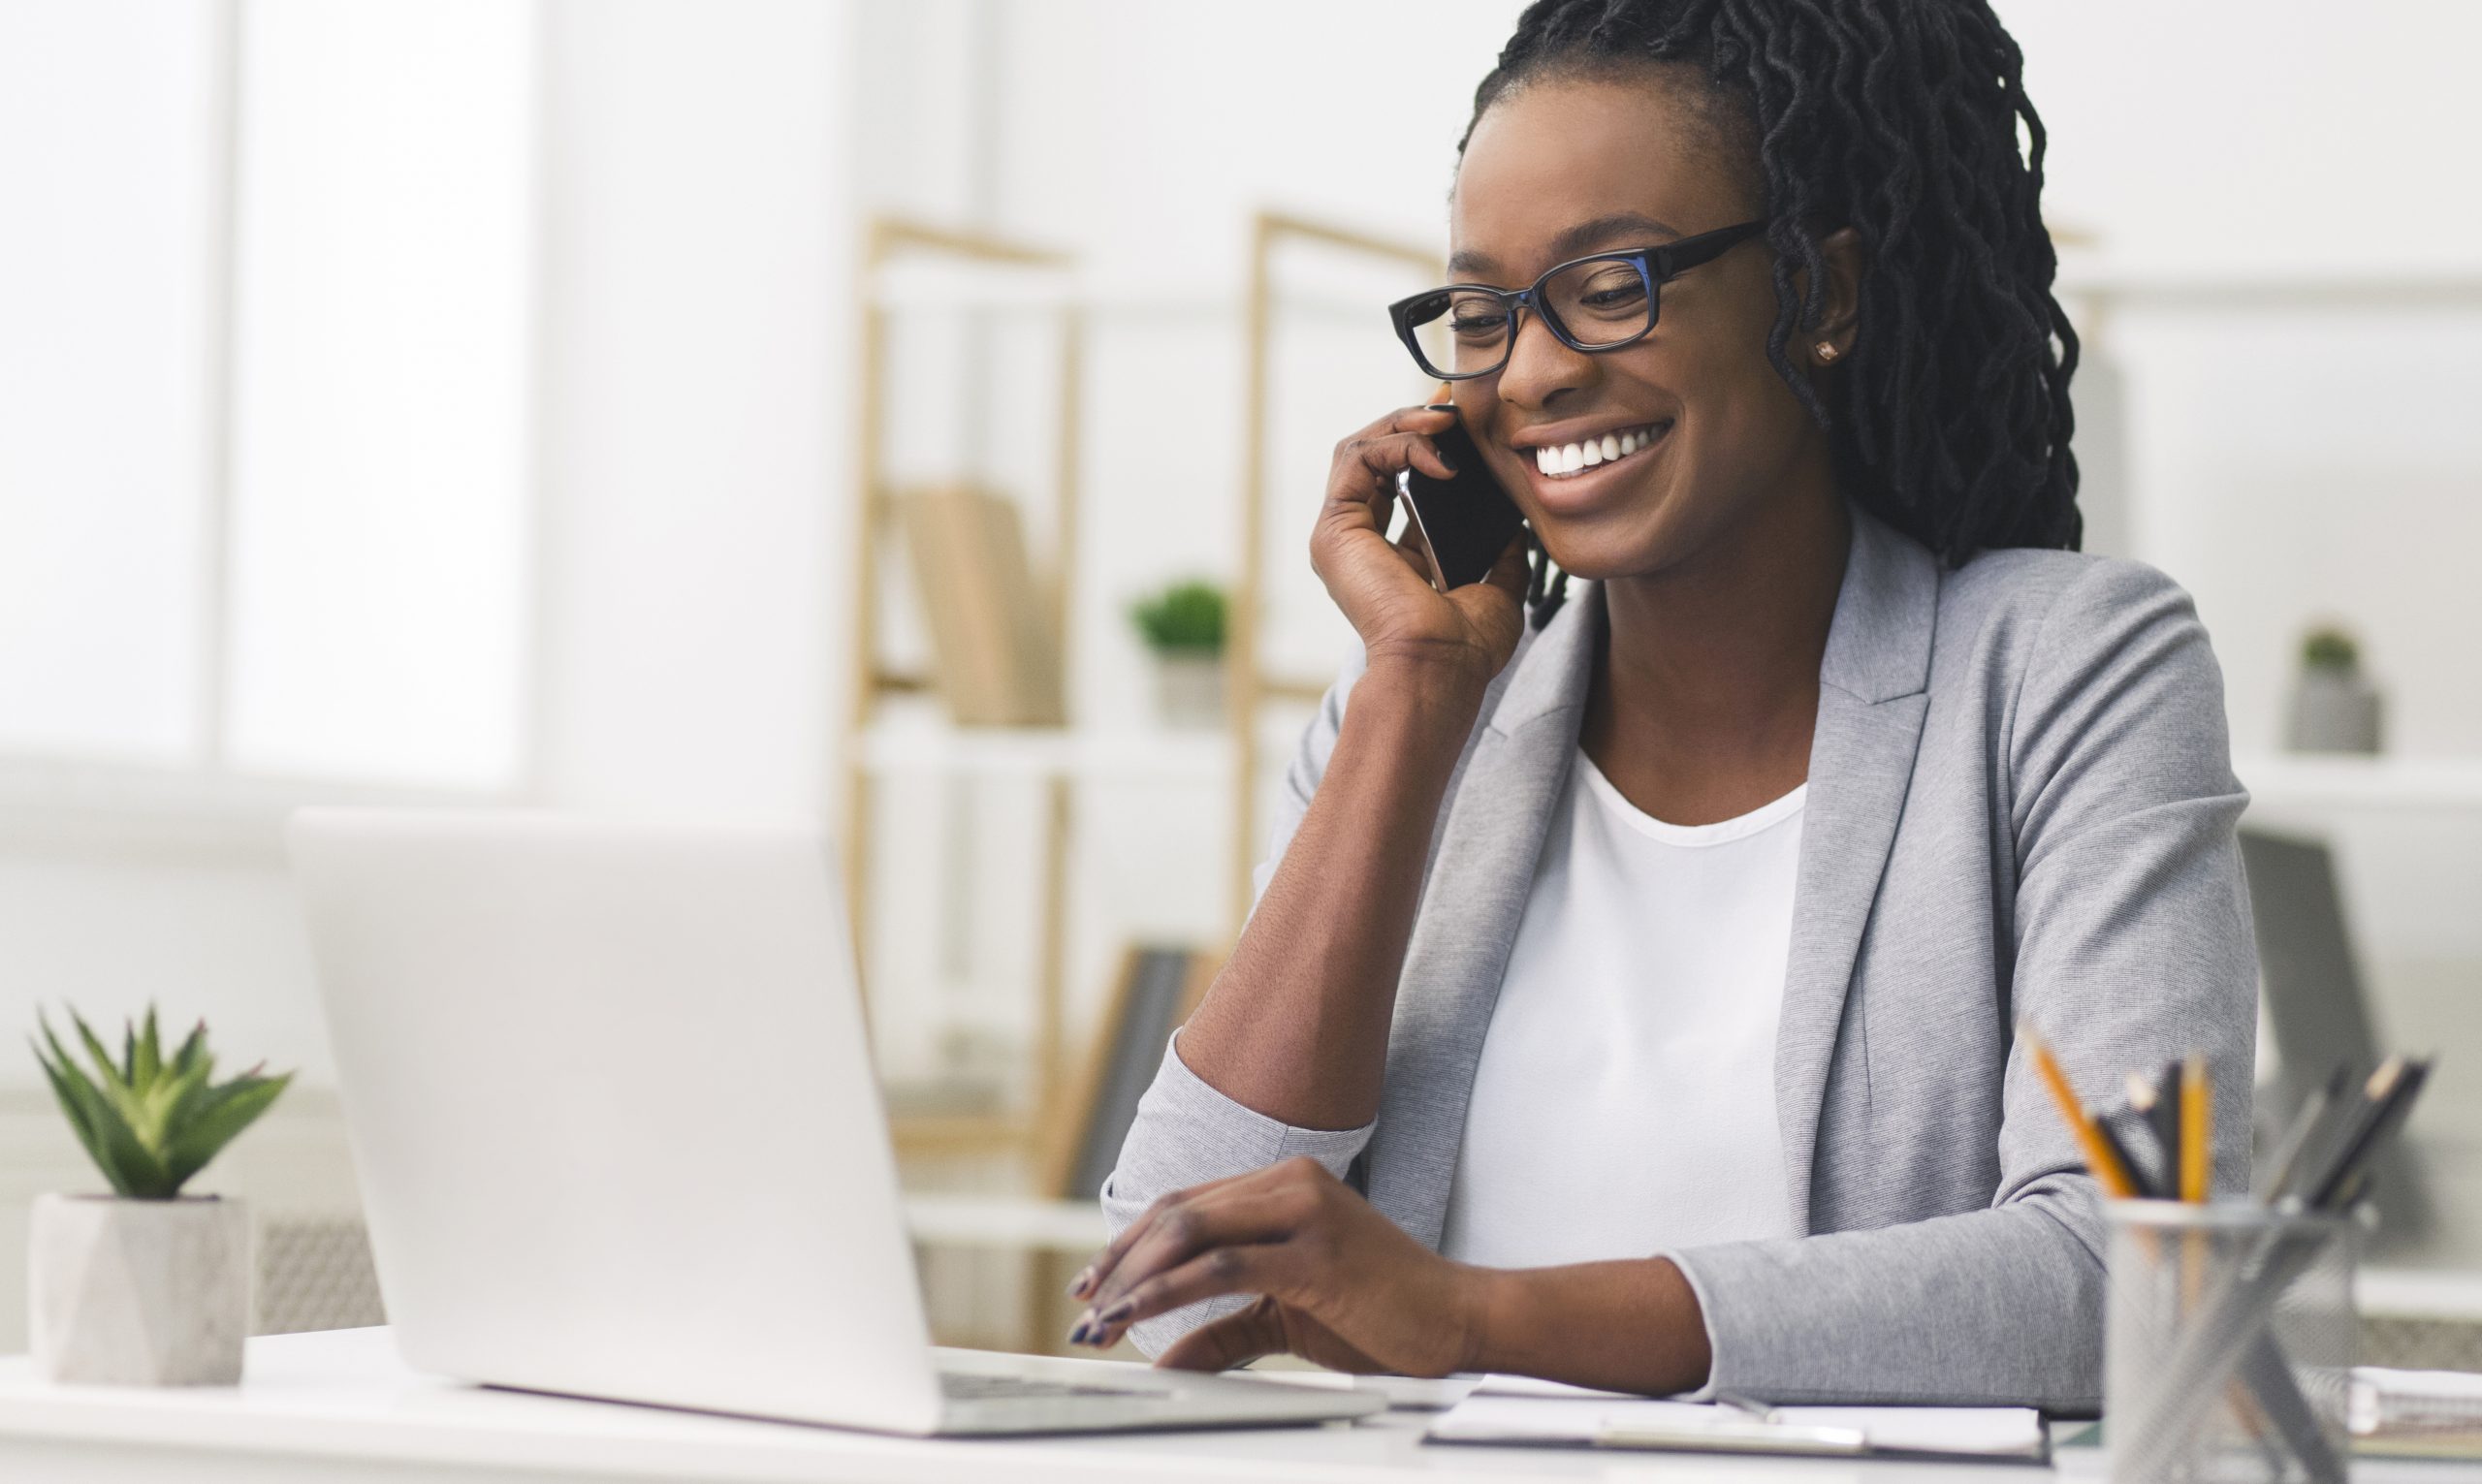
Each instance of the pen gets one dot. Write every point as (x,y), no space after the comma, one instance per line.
(2387,1099)
(2305,1126)
(2138,1176)
(2165,1120)
(2100,1162)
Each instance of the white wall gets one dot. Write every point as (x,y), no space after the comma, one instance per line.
(695,287)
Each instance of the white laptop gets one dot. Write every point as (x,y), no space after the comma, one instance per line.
(618,1137)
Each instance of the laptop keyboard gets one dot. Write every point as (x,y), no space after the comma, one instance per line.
(964,1386)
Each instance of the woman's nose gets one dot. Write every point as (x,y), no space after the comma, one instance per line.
(1539,367)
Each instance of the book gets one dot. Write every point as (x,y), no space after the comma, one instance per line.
(993,639)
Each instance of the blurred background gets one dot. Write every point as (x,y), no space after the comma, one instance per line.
(569,403)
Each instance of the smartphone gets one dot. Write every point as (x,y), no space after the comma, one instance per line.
(1468,521)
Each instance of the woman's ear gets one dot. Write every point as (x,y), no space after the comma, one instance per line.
(1831,340)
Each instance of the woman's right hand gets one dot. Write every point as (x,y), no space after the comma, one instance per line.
(1384,588)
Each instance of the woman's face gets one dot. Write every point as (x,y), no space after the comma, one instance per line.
(1560,169)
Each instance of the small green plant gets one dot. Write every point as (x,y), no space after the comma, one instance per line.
(1185,618)
(2330,648)
(150,1122)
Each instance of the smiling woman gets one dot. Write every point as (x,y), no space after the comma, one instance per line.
(1629,1001)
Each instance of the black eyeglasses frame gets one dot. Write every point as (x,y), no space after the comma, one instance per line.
(1656,265)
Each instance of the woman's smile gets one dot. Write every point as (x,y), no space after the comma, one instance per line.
(1572,471)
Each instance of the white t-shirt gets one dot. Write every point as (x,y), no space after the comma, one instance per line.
(1624,1104)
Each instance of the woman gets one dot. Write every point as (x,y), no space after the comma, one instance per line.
(1633,997)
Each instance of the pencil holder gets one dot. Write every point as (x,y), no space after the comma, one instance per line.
(2229,1344)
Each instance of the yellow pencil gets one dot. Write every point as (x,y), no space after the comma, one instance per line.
(2197,1113)
(2100,1162)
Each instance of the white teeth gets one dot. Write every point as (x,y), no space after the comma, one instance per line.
(1569,458)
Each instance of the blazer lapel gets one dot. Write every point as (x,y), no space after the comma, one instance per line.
(1873,693)
(1481,873)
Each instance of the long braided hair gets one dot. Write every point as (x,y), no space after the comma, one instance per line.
(1898,118)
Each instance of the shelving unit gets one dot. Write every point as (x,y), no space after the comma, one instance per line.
(2311,780)
(1251,687)
(888,240)
(894,727)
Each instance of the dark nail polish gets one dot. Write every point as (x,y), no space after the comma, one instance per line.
(1118,1313)
(1077,1332)
(1084,1281)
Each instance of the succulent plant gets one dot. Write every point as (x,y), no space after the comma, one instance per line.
(2330,648)
(151,1121)
(1185,616)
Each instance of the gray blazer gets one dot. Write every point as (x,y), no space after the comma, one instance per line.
(2020,806)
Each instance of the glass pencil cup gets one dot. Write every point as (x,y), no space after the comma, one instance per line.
(2228,1347)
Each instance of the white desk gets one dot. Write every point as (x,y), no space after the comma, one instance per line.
(325,1406)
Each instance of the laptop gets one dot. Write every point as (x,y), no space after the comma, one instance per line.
(610,1104)
(2318,1011)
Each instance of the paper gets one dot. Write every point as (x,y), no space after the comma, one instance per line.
(1982,1431)
(2383,1400)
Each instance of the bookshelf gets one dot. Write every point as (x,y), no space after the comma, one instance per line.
(887,242)
(895,723)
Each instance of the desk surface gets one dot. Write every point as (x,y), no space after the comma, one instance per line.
(316,1406)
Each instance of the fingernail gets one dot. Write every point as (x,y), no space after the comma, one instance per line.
(1077,1285)
(1117,1314)
(1077,1332)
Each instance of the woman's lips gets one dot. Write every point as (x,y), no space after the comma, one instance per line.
(1577,488)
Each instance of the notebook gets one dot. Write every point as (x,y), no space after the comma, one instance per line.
(2415,1413)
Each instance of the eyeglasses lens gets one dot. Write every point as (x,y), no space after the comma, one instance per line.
(1604,301)
(1466,333)
(1601,301)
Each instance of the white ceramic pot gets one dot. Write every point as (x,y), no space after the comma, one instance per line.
(2333,711)
(138,1293)
(1189,689)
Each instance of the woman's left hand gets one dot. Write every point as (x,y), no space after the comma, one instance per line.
(1340,1285)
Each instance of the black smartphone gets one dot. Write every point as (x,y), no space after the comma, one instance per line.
(1469,519)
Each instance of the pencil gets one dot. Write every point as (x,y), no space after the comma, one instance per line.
(2100,1162)
(2197,1119)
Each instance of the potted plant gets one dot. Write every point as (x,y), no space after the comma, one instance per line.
(2335,708)
(146,1287)
(1183,625)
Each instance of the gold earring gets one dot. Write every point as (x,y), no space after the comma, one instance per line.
(1827,350)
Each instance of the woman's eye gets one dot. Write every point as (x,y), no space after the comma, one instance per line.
(1478,325)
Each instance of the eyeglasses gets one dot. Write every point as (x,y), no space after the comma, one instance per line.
(1592,304)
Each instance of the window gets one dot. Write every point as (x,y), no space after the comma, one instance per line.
(266,384)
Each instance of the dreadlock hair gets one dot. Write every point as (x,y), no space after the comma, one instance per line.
(1898,118)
